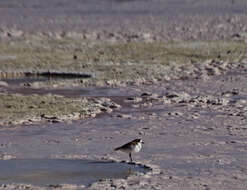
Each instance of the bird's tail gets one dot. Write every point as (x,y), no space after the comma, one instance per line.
(116,149)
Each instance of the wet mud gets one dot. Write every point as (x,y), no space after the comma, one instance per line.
(194,133)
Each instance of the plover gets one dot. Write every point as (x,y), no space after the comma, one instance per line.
(133,146)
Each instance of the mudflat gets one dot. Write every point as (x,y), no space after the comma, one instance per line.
(79,78)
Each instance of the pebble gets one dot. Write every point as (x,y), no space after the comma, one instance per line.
(133,99)
(124,116)
(3,84)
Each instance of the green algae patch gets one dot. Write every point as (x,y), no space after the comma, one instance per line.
(16,109)
(115,62)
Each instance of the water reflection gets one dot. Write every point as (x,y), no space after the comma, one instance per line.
(61,171)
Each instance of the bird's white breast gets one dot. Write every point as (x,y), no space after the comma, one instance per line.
(138,147)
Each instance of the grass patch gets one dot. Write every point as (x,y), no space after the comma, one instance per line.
(16,108)
(125,61)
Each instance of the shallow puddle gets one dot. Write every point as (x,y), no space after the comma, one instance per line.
(25,79)
(40,77)
(62,171)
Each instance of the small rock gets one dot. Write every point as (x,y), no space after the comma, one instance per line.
(92,115)
(6,157)
(114,106)
(124,116)
(44,116)
(141,133)
(145,94)
(3,84)
(55,186)
(230,93)
(36,85)
(104,109)
(133,99)
(147,104)
(175,113)
(27,84)
(172,96)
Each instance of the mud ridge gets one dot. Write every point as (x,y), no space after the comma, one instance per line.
(48,74)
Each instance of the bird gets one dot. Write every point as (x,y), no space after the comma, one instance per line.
(130,147)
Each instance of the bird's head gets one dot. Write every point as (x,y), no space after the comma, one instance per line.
(139,141)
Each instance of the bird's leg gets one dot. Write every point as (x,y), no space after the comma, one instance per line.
(130,157)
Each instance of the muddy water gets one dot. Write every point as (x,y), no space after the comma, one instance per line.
(22,80)
(75,92)
(29,77)
(45,172)
(21,85)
